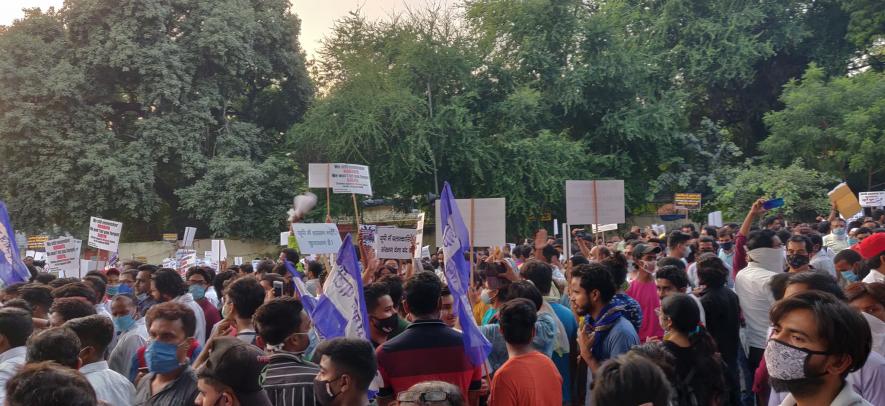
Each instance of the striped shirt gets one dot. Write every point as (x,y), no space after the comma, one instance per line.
(288,379)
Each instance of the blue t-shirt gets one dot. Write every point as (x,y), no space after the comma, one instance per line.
(620,339)
(568,321)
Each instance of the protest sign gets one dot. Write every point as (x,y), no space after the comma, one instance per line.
(238,261)
(219,251)
(556,226)
(845,200)
(394,243)
(317,238)
(872,199)
(186,259)
(188,239)
(37,242)
(104,234)
(30,253)
(487,219)
(604,227)
(594,202)
(255,263)
(318,175)
(39,256)
(87,265)
(687,200)
(425,252)
(342,178)
(367,235)
(419,234)
(715,218)
(284,238)
(171,263)
(63,256)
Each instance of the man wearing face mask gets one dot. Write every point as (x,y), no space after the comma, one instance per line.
(131,333)
(167,285)
(384,322)
(678,245)
(837,239)
(95,333)
(816,341)
(643,289)
(284,326)
(198,281)
(143,296)
(766,259)
(848,265)
(171,381)
(799,250)
(347,367)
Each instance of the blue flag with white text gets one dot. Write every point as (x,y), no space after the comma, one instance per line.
(12,269)
(456,241)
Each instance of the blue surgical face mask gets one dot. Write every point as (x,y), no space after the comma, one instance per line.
(161,357)
(849,276)
(124,289)
(112,290)
(197,291)
(852,241)
(840,231)
(123,323)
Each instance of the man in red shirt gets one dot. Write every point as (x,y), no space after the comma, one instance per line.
(528,377)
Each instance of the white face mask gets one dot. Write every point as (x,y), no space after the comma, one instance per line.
(771,259)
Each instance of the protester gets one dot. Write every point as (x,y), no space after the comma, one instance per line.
(643,288)
(241,299)
(617,267)
(528,377)
(872,249)
(39,297)
(837,240)
(432,393)
(198,280)
(630,379)
(170,380)
(143,288)
(232,375)
(99,287)
(722,309)
(58,344)
(347,367)
(49,384)
(68,308)
(384,321)
(447,308)
(670,280)
(799,249)
(95,333)
(15,328)
(848,265)
(284,327)
(547,327)
(868,298)
(167,285)
(821,259)
(130,332)
(440,349)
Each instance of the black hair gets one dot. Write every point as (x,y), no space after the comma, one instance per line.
(16,325)
(13,289)
(198,270)
(517,319)
(778,285)
(670,261)
(98,285)
(843,329)
(548,252)
(394,287)
(677,237)
(71,308)
(630,379)
(291,255)
(172,311)
(37,295)
(422,293)
(265,266)
(19,304)
(657,353)
(685,315)
(218,281)
(352,356)
(97,274)
(246,268)
(44,278)
(711,231)
(767,221)
(809,246)
(315,267)
(278,319)
(246,295)
(676,276)
(817,280)
(524,290)
(94,331)
(58,344)
(817,240)
(579,260)
(712,272)
(148,268)
(168,282)
(372,292)
(760,239)
(617,266)
(540,273)
(850,256)
(48,383)
(596,276)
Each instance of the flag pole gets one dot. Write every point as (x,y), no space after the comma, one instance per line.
(328,192)
(472,259)
(356,211)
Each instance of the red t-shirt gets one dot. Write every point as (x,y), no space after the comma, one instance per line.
(528,379)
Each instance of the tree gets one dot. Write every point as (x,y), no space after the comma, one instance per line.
(835,125)
(121,109)
(803,190)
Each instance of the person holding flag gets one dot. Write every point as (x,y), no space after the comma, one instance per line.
(12,269)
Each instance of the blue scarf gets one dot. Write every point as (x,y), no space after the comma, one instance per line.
(600,328)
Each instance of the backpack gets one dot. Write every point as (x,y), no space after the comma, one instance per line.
(683,393)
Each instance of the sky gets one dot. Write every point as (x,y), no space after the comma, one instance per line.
(317,16)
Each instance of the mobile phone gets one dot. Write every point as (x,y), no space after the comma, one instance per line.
(773,203)
(277,288)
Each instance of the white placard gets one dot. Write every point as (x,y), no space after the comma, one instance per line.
(219,251)
(317,238)
(104,234)
(255,263)
(425,252)
(394,243)
(594,202)
(39,256)
(660,229)
(189,233)
(872,199)
(238,261)
(63,256)
(30,253)
(489,223)
(170,263)
(284,238)
(605,227)
(419,235)
(555,226)
(87,265)
(714,219)
(318,175)
(349,178)
(367,235)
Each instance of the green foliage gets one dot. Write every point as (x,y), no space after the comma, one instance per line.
(117,109)
(835,125)
(803,190)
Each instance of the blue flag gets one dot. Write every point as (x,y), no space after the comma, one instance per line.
(12,269)
(307,300)
(456,241)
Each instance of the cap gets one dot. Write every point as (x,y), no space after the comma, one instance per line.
(871,246)
(640,250)
(238,365)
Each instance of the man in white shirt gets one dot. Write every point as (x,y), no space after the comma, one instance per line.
(167,285)
(95,333)
(15,328)
(821,259)
(130,331)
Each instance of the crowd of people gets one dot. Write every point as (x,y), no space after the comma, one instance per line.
(758,313)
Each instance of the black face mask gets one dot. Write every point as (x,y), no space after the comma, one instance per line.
(387,325)
(797,261)
(727,246)
(322,391)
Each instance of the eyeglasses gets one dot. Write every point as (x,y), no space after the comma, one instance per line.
(415,397)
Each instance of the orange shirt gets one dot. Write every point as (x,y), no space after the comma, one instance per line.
(529,379)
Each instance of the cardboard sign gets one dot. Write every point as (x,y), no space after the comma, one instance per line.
(188,239)
(844,199)
(367,235)
(394,243)
(419,234)
(37,242)
(488,218)
(63,256)
(594,202)
(170,237)
(317,238)
(342,178)
(715,218)
(104,234)
(687,200)
(872,199)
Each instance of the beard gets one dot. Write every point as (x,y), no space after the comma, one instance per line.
(581,310)
(798,387)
